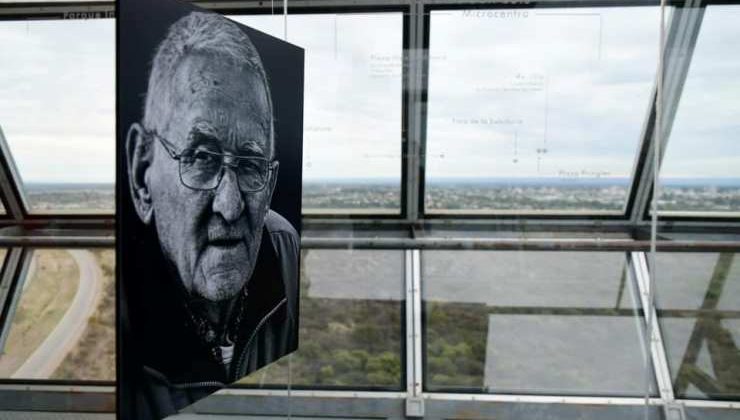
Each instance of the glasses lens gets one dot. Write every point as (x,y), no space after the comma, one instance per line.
(199,168)
(252,173)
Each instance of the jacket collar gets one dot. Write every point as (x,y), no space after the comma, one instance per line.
(180,354)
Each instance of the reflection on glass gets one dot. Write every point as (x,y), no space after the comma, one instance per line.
(536,109)
(698,302)
(63,326)
(350,323)
(352,108)
(531,322)
(58,111)
(701,170)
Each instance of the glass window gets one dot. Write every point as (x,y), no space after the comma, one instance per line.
(698,303)
(63,326)
(350,324)
(701,168)
(557,323)
(536,109)
(57,110)
(352,108)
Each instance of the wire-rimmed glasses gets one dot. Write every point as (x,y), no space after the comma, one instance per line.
(202,169)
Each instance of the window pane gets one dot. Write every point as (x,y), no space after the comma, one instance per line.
(352,108)
(537,109)
(63,326)
(58,111)
(698,302)
(531,323)
(350,323)
(701,170)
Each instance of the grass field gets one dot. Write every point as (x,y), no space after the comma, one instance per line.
(50,288)
(94,357)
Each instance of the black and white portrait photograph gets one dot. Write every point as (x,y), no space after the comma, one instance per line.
(209,196)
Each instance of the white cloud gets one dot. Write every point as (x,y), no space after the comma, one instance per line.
(57,106)
(57,100)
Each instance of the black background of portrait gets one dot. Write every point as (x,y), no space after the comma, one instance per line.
(142,24)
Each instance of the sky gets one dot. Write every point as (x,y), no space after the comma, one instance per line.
(561,92)
(528,93)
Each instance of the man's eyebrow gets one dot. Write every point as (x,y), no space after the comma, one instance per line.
(202,131)
(251,148)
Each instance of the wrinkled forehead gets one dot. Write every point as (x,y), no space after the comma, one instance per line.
(224,99)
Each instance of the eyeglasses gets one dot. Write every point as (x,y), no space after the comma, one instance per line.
(202,169)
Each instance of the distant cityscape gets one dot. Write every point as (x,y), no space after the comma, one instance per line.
(71,198)
(456,196)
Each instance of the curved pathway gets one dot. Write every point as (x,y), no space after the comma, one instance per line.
(52,351)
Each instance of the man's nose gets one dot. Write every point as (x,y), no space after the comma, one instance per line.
(229,201)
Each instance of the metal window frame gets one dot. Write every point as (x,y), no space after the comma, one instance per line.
(10,191)
(15,269)
(414,351)
(640,158)
(23,229)
(658,362)
(86,397)
(414,96)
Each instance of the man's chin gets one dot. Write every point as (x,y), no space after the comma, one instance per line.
(221,286)
(223,272)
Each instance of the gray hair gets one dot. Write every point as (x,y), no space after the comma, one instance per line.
(196,32)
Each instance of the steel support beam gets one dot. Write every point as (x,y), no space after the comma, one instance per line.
(517,244)
(106,9)
(60,240)
(683,32)
(661,373)
(13,279)
(58,398)
(8,280)
(11,191)
(414,365)
(413,138)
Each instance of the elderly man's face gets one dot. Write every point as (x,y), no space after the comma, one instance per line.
(212,237)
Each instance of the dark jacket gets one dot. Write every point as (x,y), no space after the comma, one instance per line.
(177,368)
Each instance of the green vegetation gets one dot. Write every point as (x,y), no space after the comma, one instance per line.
(94,357)
(343,342)
(456,345)
(52,284)
(726,199)
(472,197)
(349,195)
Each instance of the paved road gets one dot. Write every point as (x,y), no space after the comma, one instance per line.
(50,354)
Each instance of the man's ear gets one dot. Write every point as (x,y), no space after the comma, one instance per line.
(139,159)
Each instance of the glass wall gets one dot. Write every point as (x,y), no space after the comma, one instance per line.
(698,303)
(58,111)
(701,168)
(540,113)
(536,109)
(352,108)
(556,323)
(63,321)
(351,325)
